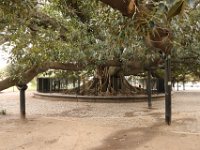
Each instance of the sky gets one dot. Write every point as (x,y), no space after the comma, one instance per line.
(2,61)
(3,58)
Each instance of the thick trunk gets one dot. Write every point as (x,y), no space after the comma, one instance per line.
(107,81)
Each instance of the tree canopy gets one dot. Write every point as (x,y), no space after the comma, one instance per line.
(80,35)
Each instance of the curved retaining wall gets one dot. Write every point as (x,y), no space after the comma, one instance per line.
(113,99)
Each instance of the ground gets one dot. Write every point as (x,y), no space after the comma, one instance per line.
(60,125)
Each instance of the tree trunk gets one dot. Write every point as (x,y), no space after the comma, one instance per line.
(130,68)
(108,81)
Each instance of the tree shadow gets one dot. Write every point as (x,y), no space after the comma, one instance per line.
(130,138)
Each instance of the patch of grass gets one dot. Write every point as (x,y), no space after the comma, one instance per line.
(3,112)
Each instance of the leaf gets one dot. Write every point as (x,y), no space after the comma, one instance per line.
(176,9)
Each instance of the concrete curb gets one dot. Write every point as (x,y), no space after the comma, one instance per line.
(103,99)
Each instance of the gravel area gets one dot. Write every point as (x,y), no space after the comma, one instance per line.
(45,107)
(68,125)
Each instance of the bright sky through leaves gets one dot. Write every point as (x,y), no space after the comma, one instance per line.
(3,58)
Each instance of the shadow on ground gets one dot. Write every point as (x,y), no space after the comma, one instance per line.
(130,139)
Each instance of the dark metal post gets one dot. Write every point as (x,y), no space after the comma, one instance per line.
(22,89)
(74,83)
(168,89)
(79,85)
(183,85)
(66,82)
(177,86)
(149,89)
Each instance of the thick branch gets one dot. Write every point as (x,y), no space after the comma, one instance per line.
(130,68)
(126,7)
(28,75)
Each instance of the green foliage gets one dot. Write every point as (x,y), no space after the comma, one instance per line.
(2,74)
(176,9)
(186,43)
(88,31)
(99,38)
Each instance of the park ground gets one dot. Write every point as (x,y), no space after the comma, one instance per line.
(61,125)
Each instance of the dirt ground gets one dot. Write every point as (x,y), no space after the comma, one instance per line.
(61,125)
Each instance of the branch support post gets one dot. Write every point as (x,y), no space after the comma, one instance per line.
(22,89)
(168,89)
(149,89)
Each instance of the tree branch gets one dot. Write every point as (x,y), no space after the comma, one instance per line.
(28,75)
(126,7)
(130,68)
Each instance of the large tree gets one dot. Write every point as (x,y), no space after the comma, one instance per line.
(77,35)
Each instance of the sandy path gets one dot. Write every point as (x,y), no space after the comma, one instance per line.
(58,125)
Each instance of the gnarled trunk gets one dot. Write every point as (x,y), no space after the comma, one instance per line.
(108,81)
